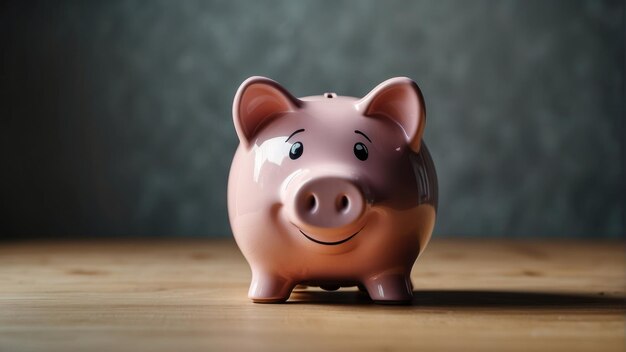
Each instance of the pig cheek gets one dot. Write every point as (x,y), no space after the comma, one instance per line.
(393,233)
(391,183)
(273,175)
(259,216)
(257,181)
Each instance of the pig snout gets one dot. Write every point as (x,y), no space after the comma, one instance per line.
(327,203)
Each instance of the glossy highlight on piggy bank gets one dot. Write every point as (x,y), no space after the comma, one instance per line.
(331,191)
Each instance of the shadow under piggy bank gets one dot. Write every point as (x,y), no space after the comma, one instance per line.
(483,299)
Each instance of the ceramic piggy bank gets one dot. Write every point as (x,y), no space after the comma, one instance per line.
(331,191)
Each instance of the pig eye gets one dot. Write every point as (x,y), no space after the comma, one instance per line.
(360,150)
(296,150)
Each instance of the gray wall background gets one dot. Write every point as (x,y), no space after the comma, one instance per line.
(116,114)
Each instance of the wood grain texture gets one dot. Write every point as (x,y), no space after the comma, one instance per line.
(190,295)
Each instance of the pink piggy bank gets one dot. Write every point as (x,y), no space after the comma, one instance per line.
(331,191)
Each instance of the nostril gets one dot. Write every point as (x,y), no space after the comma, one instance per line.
(311,203)
(343,203)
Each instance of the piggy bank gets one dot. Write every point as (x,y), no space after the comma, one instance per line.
(331,191)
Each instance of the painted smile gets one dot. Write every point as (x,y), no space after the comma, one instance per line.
(330,243)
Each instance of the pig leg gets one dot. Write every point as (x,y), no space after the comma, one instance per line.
(269,288)
(390,288)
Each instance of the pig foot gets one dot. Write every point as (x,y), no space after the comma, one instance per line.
(390,288)
(268,288)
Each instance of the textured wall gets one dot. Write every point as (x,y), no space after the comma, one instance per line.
(116,114)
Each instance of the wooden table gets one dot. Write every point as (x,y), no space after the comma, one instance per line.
(190,295)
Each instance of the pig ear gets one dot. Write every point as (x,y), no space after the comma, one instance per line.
(257,100)
(400,100)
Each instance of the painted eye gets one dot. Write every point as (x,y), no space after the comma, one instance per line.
(360,150)
(296,150)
